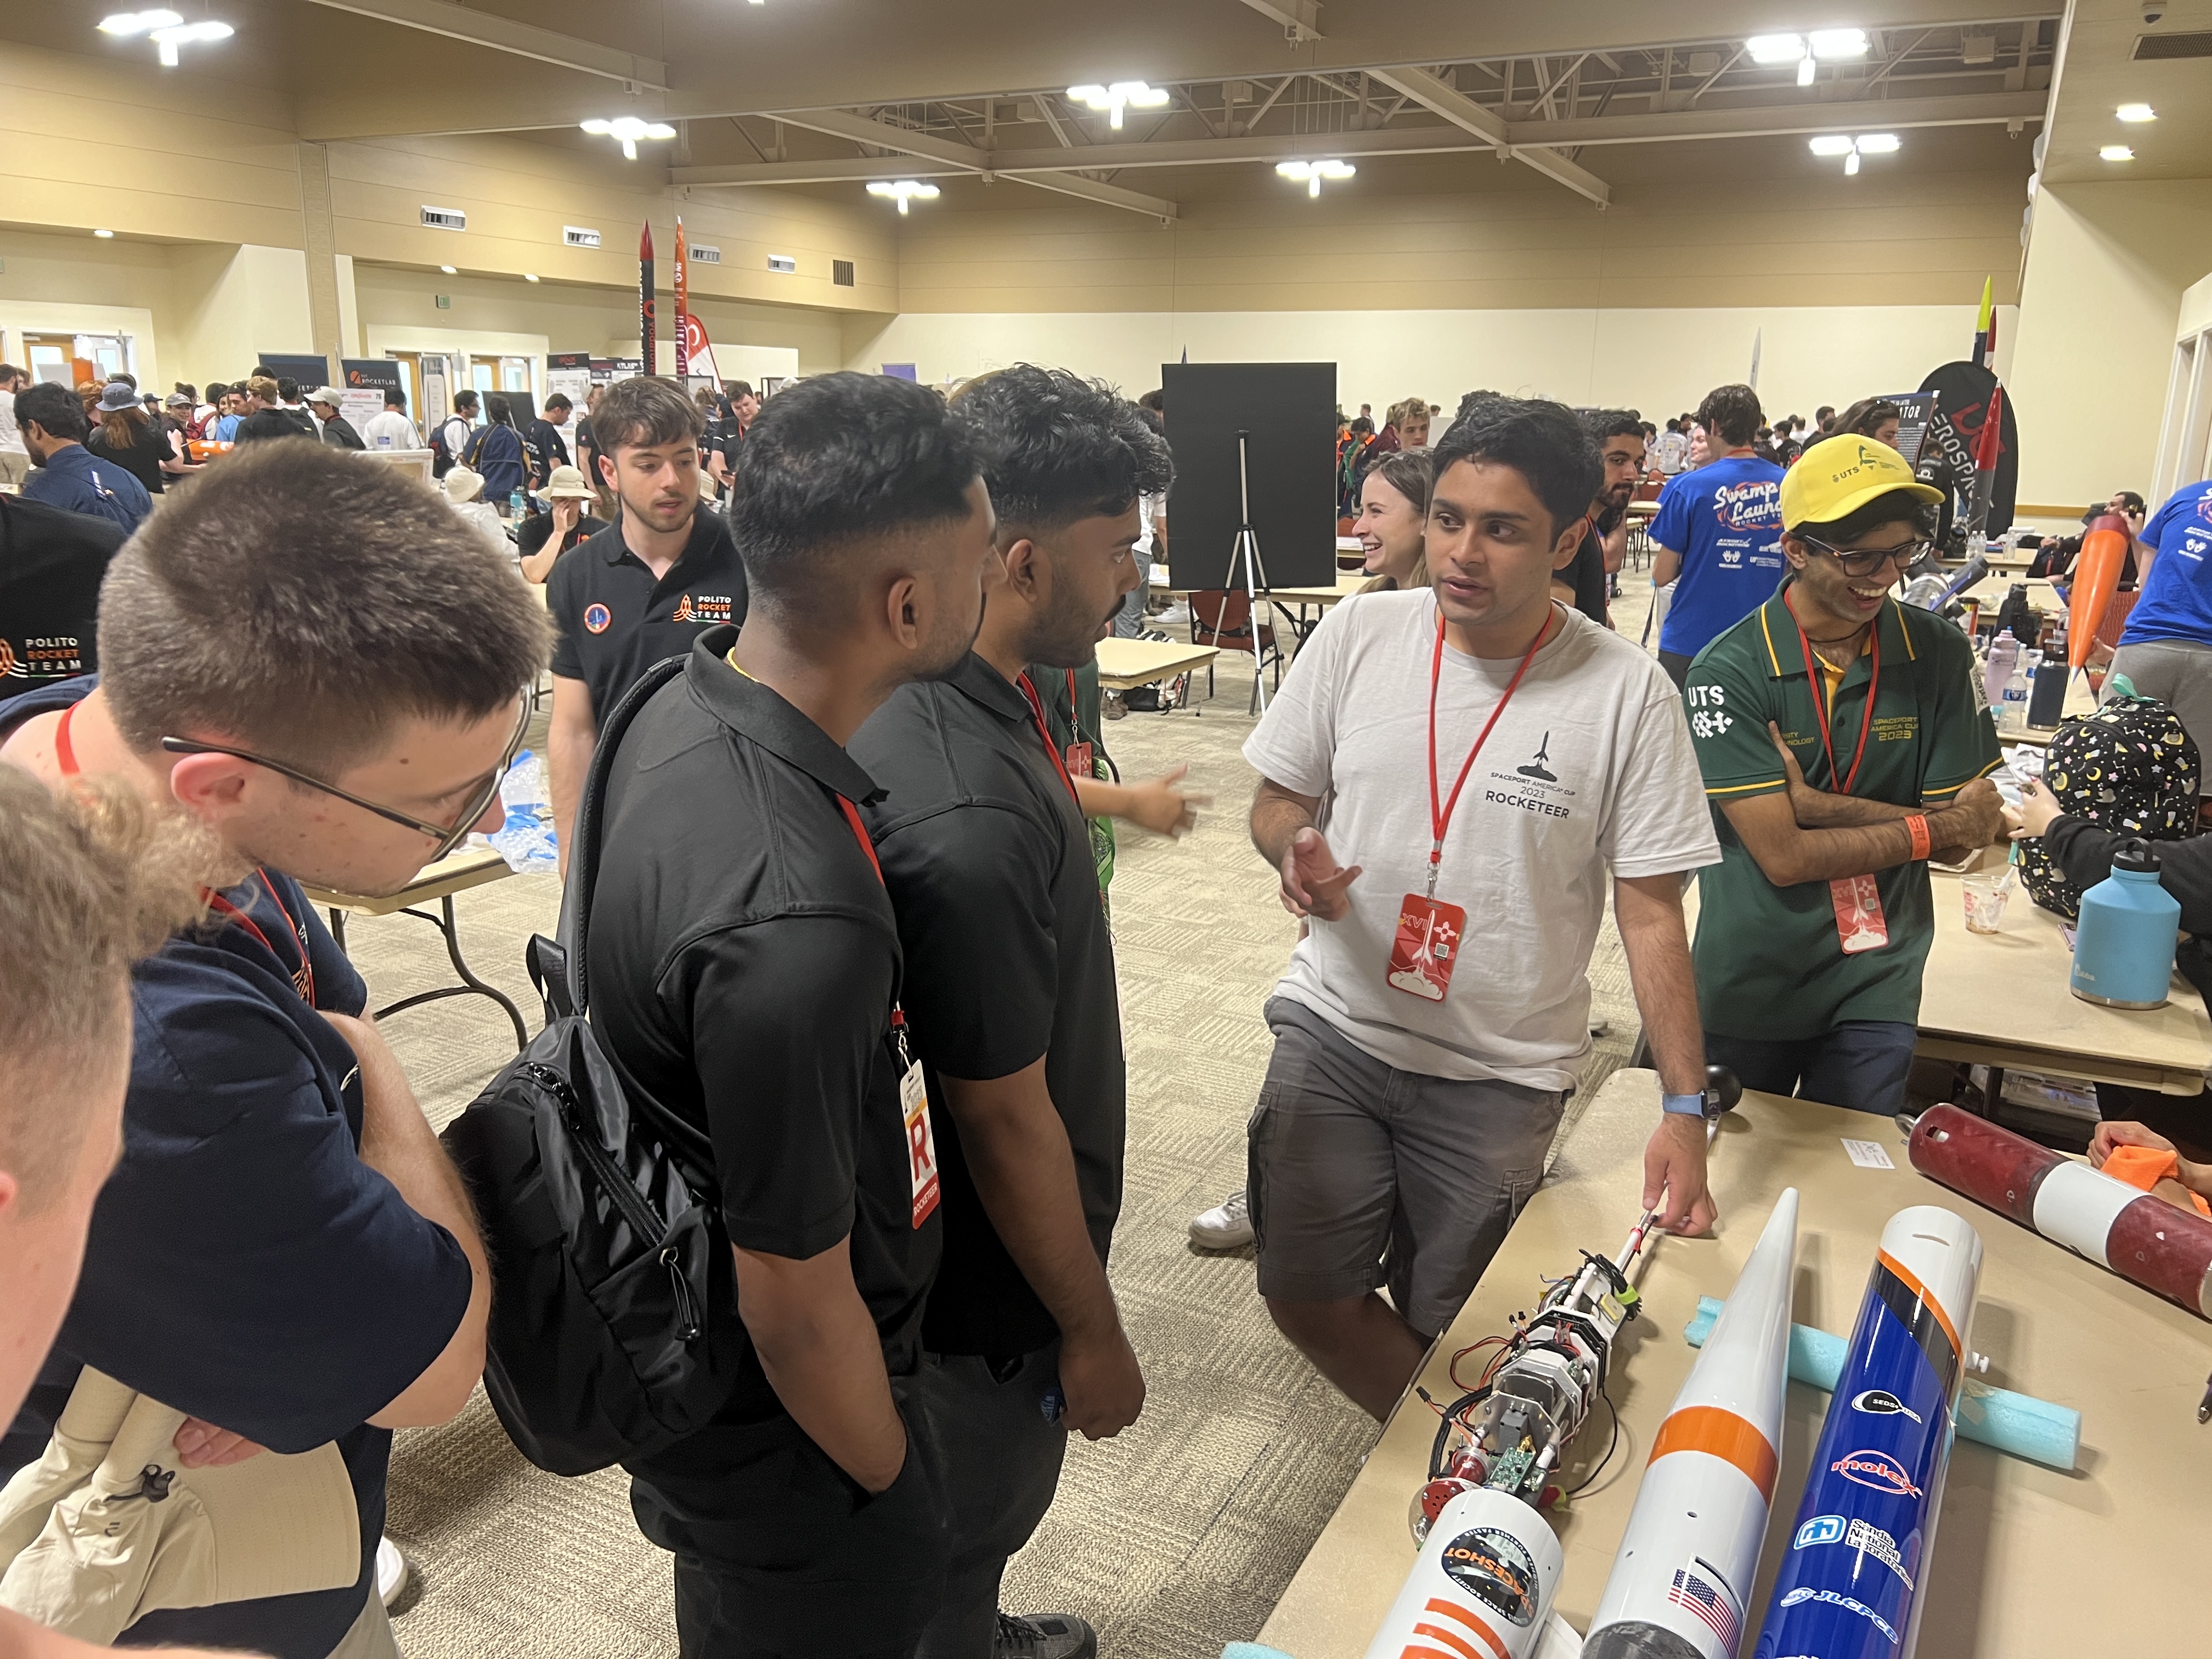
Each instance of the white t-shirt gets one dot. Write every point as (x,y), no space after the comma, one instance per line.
(1589,772)
(390,423)
(11,435)
(1149,507)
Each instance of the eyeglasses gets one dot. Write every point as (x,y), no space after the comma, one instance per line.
(1865,561)
(448,837)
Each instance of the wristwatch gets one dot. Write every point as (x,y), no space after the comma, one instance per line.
(1683,1105)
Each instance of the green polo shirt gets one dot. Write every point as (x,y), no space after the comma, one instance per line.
(1769,961)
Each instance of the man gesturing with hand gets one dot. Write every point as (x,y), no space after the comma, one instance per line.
(1449,779)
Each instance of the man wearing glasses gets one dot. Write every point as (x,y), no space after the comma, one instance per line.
(1842,746)
(284,1251)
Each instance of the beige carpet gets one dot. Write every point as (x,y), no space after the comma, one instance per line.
(1174,1538)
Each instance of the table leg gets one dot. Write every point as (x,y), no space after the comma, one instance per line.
(469,985)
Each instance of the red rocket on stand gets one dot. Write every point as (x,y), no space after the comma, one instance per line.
(1986,450)
(648,342)
(683,306)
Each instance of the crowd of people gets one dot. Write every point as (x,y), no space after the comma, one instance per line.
(849,941)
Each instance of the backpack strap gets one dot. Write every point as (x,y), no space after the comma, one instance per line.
(584,852)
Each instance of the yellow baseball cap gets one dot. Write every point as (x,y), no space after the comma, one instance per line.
(1837,475)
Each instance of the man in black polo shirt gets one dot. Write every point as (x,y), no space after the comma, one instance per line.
(1011,995)
(641,589)
(745,970)
(1587,583)
(51,566)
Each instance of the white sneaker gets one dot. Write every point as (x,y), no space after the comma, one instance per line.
(1226,1226)
(391,1571)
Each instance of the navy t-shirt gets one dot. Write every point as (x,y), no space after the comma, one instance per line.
(2177,600)
(244,1265)
(1725,520)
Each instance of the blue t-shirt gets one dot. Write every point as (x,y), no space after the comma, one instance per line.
(244,1265)
(1725,520)
(2176,601)
(226,429)
(75,480)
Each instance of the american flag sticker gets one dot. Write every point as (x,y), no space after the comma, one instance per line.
(1709,1599)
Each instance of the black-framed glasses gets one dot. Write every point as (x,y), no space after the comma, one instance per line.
(448,836)
(1865,561)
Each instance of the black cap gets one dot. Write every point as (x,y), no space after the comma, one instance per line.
(2136,854)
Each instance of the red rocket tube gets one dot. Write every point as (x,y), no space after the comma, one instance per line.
(2143,1239)
(646,343)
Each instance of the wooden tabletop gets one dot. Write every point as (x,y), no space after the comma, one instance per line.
(1125,665)
(2007,1578)
(2001,1000)
(1991,591)
(1348,583)
(1642,510)
(456,872)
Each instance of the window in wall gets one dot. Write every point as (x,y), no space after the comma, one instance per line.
(410,380)
(67,359)
(500,374)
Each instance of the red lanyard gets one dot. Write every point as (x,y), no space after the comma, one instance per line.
(303,980)
(1440,812)
(1037,714)
(1815,680)
(861,834)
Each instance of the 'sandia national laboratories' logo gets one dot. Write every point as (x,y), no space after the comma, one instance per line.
(1876,1470)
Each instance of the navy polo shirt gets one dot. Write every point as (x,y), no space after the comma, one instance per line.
(75,480)
(614,619)
(244,1265)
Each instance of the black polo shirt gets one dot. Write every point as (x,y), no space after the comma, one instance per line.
(613,619)
(52,563)
(1009,959)
(1587,576)
(742,963)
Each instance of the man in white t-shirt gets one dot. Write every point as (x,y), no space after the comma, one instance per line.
(390,429)
(15,455)
(1435,1016)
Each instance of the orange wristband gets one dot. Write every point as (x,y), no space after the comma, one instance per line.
(1916,827)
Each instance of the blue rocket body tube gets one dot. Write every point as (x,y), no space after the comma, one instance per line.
(1851,1581)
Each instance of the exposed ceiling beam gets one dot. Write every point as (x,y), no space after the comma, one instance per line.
(1301,19)
(1893,115)
(482,28)
(1433,93)
(864,130)
(1074,183)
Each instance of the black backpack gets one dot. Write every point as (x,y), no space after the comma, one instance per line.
(613,1327)
(2130,768)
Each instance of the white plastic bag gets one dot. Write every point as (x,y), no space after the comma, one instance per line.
(526,840)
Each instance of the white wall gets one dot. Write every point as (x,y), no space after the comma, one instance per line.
(1661,362)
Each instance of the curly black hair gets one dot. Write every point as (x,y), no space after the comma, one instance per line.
(1057,447)
(1730,414)
(1544,441)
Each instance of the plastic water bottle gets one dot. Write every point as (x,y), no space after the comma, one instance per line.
(2124,943)
(514,504)
(2018,687)
(1997,673)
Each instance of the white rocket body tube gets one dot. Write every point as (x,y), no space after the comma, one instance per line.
(1683,1576)
(1483,1585)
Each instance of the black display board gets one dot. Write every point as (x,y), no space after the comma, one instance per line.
(1962,399)
(370,374)
(312,373)
(1288,411)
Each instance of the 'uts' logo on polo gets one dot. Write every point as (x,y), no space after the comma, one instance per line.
(1753,506)
(1876,1470)
(703,608)
(597,616)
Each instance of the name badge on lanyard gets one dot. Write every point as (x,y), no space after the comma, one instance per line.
(1426,947)
(1856,900)
(913,1092)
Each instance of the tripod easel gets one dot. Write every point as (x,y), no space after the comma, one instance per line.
(1244,552)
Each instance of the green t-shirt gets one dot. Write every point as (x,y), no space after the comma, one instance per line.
(1770,961)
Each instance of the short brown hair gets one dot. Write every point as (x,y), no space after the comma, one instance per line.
(301,601)
(643,411)
(89,881)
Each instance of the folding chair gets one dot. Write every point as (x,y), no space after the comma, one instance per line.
(1222,616)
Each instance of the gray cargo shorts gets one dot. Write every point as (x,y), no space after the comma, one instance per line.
(1362,1176)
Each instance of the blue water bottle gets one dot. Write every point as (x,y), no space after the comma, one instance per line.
(2124,943)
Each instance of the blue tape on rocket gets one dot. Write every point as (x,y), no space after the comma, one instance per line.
(2017,1424)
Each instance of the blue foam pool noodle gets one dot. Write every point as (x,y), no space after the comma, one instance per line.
(2017,1423)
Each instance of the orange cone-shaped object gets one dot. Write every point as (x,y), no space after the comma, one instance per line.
(2096,579)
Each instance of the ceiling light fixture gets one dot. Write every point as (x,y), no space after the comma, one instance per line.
(2116,153)
(1833,46)
(903,190)
(1311,174)
(1122,95)
(529,276)
(450,271)
(2136,112)
(1867,143)
(629,129)
(104,235)
(1775,48)
(165,29)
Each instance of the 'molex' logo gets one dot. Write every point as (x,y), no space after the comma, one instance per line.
(1877,1470)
